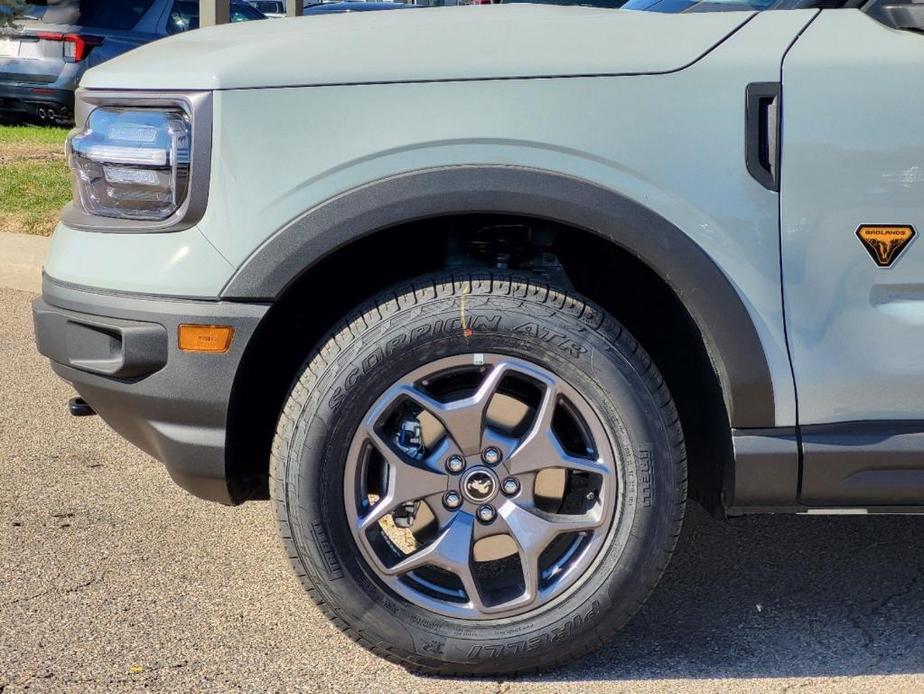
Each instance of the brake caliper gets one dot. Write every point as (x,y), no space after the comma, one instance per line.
(409,440)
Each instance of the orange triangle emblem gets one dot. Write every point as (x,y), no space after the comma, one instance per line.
(885,243)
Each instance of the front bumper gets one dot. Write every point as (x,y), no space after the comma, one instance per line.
(120,353)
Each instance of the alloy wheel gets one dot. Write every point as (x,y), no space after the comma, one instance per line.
(481,486)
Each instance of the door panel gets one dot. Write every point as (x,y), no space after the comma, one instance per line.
(853,154)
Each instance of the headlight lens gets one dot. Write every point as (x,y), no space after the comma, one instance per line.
(131,163)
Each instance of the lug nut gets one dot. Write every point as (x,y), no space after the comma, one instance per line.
(492,455)
(486,513)
(455,464)
(452,500)
(510,486)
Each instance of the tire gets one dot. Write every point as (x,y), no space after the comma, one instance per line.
(472,313)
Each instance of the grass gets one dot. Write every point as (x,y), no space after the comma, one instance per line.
(32,135)
(34,182)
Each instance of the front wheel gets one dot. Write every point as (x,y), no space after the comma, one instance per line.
(479,474)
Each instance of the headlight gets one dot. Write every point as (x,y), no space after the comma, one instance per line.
(131,163)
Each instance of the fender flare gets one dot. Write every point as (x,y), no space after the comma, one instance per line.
(729,335)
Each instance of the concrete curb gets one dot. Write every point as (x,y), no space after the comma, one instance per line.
(21,260)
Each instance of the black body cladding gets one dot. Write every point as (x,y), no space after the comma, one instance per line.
(710,299)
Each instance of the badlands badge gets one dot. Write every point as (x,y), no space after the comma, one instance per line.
(884,242)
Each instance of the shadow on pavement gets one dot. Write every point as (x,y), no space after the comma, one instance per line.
(777,596)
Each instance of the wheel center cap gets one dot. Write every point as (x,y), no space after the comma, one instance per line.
(479,485)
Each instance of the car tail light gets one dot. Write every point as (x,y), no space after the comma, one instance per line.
(76,46)
(131,163)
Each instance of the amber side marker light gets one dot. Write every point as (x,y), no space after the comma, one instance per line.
(205,338)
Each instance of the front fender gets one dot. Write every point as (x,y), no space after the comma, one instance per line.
(723,319)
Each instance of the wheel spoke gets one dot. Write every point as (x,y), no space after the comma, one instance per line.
(442,516)
(407,481)
(464,418)
(543,451)
(452,552)
(505,444)
(540,448)
(532,531)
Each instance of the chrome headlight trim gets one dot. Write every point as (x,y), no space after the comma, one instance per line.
(198,108)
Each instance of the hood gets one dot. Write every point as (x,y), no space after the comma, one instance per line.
(426,44)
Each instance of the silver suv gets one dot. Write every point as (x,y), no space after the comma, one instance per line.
(43,58)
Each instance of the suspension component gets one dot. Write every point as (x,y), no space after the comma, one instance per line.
(409,439)
(405,515)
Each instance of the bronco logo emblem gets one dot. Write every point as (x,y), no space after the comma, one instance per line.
(885,243)
(479,486)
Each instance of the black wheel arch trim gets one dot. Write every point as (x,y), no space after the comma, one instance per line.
(730,336)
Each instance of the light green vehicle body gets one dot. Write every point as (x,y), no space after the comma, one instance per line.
(281,150)
(651,107)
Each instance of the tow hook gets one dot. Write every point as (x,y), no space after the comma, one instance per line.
(78,407)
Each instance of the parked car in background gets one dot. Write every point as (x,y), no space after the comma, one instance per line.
(353,6)
(611,4)
(43,57)
(271,8)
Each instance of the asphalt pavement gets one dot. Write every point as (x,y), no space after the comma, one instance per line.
(113,578)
